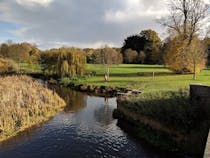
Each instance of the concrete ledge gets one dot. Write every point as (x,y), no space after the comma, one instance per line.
(207,150)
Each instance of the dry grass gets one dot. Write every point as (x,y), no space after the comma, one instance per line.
(24,103)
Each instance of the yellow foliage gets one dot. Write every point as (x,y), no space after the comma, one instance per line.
(7,65)
(184,58)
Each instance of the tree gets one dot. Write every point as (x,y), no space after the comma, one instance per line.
(4,50)
(141,57)
(197,56)
(64,62)
(23,52)
(135,42)
(107,57)
(186,17)
(7,66)
(147,41)
(207,46)
(184,23)
(193,59)
(130,56)
(152,46)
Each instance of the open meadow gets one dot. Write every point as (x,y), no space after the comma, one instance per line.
(140,77)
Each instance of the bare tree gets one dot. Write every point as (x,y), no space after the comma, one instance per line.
(107,57)
(186,17)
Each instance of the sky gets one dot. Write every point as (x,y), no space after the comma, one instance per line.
(78,23)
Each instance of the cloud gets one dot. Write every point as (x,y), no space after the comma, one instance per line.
(31,3)
(136,9)
(82,23)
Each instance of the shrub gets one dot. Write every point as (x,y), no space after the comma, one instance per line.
(8,66)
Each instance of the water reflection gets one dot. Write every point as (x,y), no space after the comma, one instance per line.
(74,100)
(103,114)
(85,129)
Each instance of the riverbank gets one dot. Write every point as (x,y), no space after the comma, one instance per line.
(25,102)
(162,116)
(167,120)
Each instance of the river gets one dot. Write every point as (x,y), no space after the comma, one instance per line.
(84,129)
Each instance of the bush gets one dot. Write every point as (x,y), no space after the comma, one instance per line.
(8,66)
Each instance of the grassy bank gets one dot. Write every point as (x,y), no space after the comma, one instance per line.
(167,120)
(24,103)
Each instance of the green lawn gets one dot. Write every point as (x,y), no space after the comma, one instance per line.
(141,77)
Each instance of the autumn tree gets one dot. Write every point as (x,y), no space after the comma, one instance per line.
(193,60)
(20,52)
(130,56)
(107,57)
(198,56)
(64,62)
(207,46)
(4,50)
(141,57)
(89,55)
(152,46)
(184,23)
(48,60)
(7,66)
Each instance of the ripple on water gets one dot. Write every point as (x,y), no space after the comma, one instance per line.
(90,131)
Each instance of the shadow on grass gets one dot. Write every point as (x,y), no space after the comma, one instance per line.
(137,74)
(174,112)
(141,67)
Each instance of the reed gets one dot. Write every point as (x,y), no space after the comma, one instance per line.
(25,102)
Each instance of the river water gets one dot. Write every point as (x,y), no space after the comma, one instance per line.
(84,129)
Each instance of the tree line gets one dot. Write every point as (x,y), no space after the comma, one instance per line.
(183,51)
(20,52)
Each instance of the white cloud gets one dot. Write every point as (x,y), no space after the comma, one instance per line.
(82,23)
(136,9)
(34,2)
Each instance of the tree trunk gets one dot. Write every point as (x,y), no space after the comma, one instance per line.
(194,75)
(108,73)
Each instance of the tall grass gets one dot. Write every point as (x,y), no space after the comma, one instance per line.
(24,103)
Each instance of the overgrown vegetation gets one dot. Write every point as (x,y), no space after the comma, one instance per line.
(24,103)
(171,108)
(8,66)
(167,120)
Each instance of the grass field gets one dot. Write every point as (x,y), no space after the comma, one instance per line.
(136,76)
(141,77)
